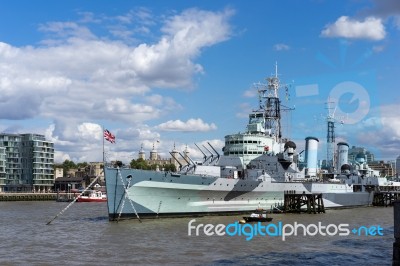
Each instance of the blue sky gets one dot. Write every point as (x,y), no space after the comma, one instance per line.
(182,72)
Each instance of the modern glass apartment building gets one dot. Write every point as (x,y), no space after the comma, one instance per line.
(29,161)
(2,168)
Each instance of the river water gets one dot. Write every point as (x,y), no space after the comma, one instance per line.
(82,235)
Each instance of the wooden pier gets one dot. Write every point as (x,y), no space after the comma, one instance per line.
(296,202)
(37,196)
(385,198)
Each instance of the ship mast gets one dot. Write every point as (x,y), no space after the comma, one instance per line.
(270,105)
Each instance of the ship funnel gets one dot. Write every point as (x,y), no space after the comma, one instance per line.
(343,154)
(311,156)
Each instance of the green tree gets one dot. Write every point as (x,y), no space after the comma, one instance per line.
(170,167)
(67,164)
(82,166)
(142,164)
(139,164)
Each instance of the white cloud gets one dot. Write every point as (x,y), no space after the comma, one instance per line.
(250,93)
(76,67)
(168,63)
(190,125)
(390,121)
(244,110)
(84,142)
(379,131)
(370,28)
(76,78)
(90,131)
(281,47)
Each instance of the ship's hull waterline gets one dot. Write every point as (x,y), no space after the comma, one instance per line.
(162,194)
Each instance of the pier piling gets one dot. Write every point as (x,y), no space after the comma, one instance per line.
(294,202)
(396,244)
(385,198)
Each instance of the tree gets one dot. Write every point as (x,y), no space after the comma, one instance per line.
(170,167)
(142,164)
(139,164)
(82,165)
(67,164)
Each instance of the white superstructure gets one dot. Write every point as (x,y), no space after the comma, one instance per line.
(257,167)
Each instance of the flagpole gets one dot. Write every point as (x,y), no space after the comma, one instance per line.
(102,134)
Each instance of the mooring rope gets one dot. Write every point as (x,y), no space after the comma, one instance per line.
(123,202)
(159,207)
(75,199)
(127,196)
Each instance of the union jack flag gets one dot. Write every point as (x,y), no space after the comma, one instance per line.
(109,136)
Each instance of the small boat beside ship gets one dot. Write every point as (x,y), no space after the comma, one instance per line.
(259,215)
(92,196)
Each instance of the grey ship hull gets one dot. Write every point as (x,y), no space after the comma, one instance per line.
(153,194)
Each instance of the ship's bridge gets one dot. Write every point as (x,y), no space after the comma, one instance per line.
(256,123)
(248,146)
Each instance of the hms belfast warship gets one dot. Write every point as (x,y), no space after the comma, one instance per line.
(256,169)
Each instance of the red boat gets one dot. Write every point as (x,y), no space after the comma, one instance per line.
(92,196)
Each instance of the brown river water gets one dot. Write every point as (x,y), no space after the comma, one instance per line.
(82,235)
